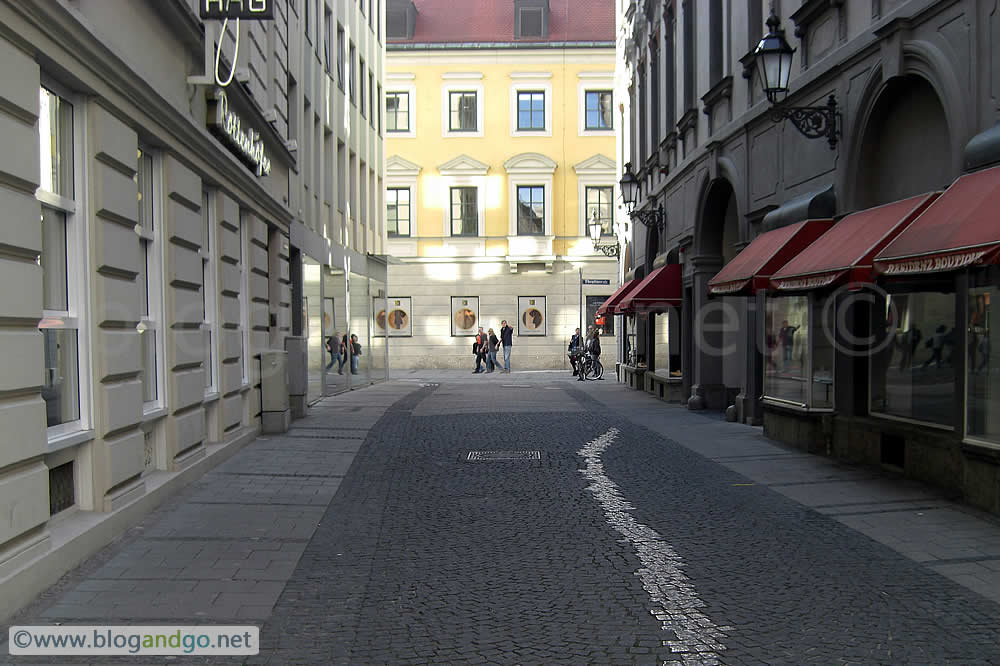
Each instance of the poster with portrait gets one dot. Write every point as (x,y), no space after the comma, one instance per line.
(394,313)
(329,316)
(464,315)
(531,315)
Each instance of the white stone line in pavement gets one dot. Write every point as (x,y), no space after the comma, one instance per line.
(699,640)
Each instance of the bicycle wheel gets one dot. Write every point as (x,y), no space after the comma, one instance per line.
(598,369)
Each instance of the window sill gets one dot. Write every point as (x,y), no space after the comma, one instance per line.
(799,407)
(154,414)
(210,396)
(68,440)
(916,422)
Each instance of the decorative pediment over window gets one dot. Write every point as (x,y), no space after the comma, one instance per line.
(397,166)
(463,165)
(597,165)
(530,163)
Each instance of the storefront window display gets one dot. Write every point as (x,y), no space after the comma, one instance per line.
(604,323)
(983,365)
(312,316)
(359,316)
(338,364)
(376,338)
(798,352)
(913,371)
(666,351)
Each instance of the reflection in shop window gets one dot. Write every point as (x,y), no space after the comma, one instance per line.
(61,383)
(798,354)
(666,352)
(983,366)
(913,372)
(605,324)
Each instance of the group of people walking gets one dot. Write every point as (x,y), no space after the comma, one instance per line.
(486,346)
(339,350)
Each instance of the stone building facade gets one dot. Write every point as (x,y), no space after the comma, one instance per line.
(155,223)
(914,82)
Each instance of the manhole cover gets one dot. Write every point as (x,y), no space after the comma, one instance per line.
(494,456)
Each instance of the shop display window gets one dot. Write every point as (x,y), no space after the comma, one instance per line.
(983,364)
(798,352)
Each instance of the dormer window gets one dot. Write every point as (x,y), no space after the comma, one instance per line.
(531,19)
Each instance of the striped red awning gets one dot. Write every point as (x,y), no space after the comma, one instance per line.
(751,269)
(845,253)
(961,228)
(608,306)
(661,289)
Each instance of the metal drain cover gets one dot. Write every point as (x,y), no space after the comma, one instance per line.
(495,456)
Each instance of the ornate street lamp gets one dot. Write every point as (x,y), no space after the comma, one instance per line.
(630,194)
(595,228)
(773,57)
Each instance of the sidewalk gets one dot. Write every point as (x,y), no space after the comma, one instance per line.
(916,520)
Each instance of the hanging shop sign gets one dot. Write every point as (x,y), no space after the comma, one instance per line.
(237,9)
(245,142)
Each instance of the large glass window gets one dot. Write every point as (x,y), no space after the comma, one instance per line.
(361,69)
(666,343)
(397,111)
(61,323)
(599,206)
(352,65)
(798,355)
(340,57)
(983,366)
(464,211)
(913,374)
(462,111)
(530,210)
(147,278)
(397,202)
(208,290)
(598,106)
(530,110)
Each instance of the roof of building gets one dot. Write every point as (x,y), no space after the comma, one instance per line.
(442,22)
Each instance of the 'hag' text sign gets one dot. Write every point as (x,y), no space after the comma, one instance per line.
(237,9)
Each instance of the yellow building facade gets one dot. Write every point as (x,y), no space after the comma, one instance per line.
(497,160)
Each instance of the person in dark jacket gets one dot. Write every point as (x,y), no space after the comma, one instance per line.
(575,346)
(491,351)
(479,349)
(592,345)
(506,339)
(355,353)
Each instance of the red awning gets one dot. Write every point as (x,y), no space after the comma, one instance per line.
(752,268)
(608,306)
(660,289)
(961,228)
(846,251)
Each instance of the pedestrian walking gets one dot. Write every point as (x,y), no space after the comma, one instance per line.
(333,347)
(506,339)
(574,350)
(344,349)
(355,353)
(491,351)
(479,349)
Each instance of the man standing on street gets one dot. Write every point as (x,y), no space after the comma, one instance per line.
(506,339)
(479,347)
(574,347)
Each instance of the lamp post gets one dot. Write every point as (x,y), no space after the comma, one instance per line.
(630,187)
(773,57)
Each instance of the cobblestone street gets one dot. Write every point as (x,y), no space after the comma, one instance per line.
(643,533)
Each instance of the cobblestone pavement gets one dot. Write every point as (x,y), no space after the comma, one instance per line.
(620,544)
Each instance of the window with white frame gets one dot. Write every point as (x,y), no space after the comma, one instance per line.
(397,201)
(244,298)
(340,57)
(62,325)
(397,111)
(530,210)
(327,38)
(361,70)
(462,111)
(352,65)
(209,292)
(464,211)
(600,206)
(148,279)
(371,100)
(598,107)
(530,110)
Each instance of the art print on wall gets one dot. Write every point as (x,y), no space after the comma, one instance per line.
(531,315)
(394,313)
(464,315)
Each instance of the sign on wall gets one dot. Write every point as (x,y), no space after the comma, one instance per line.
(248,10)
(245,142)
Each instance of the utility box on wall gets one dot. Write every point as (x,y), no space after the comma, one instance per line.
(276,416)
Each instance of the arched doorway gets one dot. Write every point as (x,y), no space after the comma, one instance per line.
(720,337)
(891,165)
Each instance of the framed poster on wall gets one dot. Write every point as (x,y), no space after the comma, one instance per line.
(393,313)
(531,315)
(464,315)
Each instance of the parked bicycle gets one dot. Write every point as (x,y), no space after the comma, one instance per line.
(587,364)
